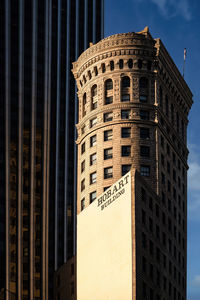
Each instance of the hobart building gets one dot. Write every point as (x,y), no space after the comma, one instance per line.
(132,170)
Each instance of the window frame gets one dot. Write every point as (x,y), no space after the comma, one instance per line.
(145,170)
(93,140)
(125,135)
(108,155)
(92,160)
(107,136)
(107,173)
(93,177)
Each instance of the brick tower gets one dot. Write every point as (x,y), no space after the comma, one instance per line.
(133,108)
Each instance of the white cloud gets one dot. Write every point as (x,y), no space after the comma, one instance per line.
(194,182)
(196,280)
(194,176)
(194,168)
(172,8)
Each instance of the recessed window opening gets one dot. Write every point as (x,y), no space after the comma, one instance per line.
(103,68)
(139,64)
(112,66)
(121,63)
(130,63)
(125,82)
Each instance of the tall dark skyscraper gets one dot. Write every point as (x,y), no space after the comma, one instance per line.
(39,40)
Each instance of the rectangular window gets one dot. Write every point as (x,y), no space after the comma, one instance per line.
(126,114)
(144,133)
(125,169)
(144,151)
(163,178)
(108,134)
(164,239)
(125,98)
(83,166)
(162,160)
(93,196)
(144,290)
(109,100)
(151,247)
(143,217)
(108,172)
(143,98)
(82,148)
(144,240)
(126,150)
(151,273)
(82,185)
(93,122)
(108,153)
(83,204)
(93,159)
(158,254)
(150,224)
(107,117)
(144,114)
(93,140)
(93,177)
(151,294)
(145,170)
(126,132)
(144,264)
(151,203)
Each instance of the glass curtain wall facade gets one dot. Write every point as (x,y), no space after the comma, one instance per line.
(39,41)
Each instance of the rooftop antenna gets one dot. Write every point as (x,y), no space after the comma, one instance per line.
(184,56)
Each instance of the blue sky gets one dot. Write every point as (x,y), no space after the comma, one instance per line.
(177,23)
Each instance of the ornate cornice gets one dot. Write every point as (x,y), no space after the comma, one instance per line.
(119,44)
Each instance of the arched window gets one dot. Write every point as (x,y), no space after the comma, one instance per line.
(103,68)
(112,66)
(121,63)
(143,89)
(130,63)
(139,64)
(95,71)
(84,105)
(125,82)
(84,79)
(108,91)
(89,74)
(125,89)
(109,84)
(94,97)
